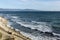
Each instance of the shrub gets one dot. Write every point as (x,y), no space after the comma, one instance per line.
(0,35)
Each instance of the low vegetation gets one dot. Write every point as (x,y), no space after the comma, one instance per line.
(0,35)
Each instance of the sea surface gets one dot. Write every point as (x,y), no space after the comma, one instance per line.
(35,24)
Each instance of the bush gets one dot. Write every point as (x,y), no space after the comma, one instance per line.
(7,39)
(0,35)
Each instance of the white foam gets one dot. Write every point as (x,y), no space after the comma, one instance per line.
(41,27)
(38,37)
(17,30)
(10,23)
(12,28)
(14,17)
(8,26)
(56,34)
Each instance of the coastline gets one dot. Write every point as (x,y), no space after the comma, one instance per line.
(13,34)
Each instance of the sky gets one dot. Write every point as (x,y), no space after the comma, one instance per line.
(43,5)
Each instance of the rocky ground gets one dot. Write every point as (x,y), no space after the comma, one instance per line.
(6,33)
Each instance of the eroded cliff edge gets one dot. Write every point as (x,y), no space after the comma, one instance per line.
(6,33)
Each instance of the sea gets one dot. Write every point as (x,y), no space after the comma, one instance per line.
(37,25)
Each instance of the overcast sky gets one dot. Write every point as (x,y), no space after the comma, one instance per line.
(46,5)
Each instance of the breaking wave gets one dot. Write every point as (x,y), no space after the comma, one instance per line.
(40,26)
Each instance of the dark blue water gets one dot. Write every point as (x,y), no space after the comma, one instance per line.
(37,25)
(50,19)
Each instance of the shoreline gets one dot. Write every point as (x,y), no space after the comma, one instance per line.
(10,31)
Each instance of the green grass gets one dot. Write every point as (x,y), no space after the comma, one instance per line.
(0,35)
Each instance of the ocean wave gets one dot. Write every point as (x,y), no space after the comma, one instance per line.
(14,17)
(42,27)
(56,34)
(38,37)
